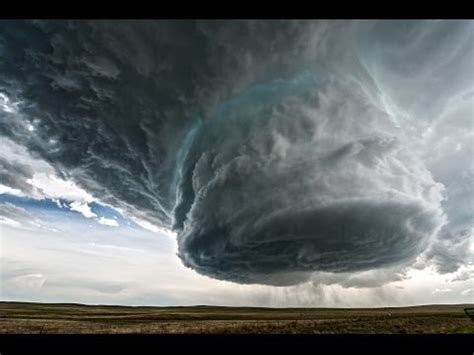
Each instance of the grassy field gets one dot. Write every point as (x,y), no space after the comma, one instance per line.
(43,318)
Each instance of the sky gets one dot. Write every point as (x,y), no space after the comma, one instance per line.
(247,163)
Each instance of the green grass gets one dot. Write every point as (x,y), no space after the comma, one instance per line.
(34,318)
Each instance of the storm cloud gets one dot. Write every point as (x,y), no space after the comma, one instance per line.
(273,148)
(332,190)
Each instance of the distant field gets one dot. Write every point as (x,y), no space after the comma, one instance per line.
(36,318)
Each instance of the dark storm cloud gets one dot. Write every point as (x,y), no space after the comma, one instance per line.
(323,192)
(115,99)
(261,143)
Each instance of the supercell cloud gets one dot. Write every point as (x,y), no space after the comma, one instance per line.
(273,149)
(301,176)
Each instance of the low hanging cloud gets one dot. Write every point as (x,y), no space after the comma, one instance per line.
(333,190)
(274,149)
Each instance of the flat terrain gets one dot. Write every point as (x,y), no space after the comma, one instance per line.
(43,318)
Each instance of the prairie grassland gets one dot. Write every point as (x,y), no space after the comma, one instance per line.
(42,318)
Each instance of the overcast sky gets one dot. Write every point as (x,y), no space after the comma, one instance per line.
(260,163)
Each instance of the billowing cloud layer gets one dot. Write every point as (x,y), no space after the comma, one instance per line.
(302,176)
(273,148)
